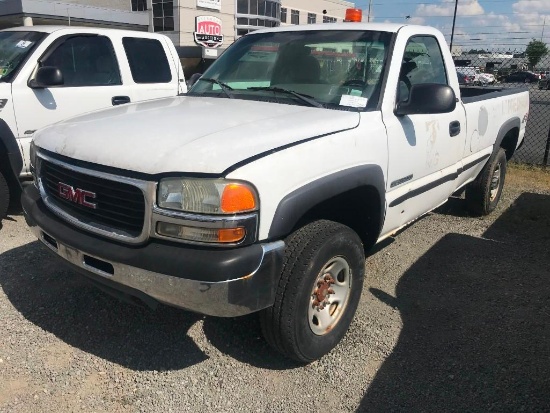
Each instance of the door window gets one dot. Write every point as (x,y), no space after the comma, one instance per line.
(147,59)
(85,61)
(422,63)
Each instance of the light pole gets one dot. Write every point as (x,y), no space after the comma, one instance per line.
(368,15)
(453,30)
(543,26)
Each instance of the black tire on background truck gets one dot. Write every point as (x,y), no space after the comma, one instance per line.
(4,196)
(318,292)
(483,194)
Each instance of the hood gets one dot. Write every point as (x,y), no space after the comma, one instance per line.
(188,134)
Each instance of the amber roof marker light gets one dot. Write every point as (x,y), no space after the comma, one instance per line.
(354,15)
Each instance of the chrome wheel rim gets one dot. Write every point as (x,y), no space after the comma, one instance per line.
(329,296)
(495,183)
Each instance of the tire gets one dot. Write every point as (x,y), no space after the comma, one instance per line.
(4,196)
(483,194)
(315,256)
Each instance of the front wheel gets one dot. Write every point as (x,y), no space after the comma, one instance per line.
(483,194)
(318,292)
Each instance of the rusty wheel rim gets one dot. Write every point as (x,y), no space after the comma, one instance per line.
(329,296)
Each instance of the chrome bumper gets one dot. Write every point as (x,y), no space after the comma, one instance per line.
(249,293)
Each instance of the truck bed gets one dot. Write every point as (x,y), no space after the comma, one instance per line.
(476,93)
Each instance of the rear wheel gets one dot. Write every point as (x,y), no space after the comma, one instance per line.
(4,196)
(483,194)
(318,292)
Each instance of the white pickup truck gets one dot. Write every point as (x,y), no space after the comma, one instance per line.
(51,73)
(261,189)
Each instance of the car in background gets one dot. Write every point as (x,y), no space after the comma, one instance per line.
(477,76)
(522,76)
(544,83)
(463,79)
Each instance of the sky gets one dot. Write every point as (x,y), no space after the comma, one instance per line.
(498,25)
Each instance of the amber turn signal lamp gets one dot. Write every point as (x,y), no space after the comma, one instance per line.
(237,198)
(354,15)
(228,235)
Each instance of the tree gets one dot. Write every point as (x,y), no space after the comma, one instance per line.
(535,52)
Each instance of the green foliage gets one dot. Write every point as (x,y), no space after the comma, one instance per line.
(535,51)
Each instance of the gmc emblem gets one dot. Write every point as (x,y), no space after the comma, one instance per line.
(78,196)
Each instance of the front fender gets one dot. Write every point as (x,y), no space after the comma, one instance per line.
(297,203)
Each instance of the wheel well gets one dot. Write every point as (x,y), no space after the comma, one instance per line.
(5,167)
(509,142)
(359,209)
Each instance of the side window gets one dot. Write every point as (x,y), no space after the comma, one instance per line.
(86,61)
(147,59)
(422,63)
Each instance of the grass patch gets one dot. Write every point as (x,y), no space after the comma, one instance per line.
(528,176)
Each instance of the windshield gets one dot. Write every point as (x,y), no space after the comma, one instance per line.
(14,48)
(335,69)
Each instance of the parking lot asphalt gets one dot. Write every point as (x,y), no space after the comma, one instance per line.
(454,316)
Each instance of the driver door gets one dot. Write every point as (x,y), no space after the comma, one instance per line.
(92,81)
(425,150)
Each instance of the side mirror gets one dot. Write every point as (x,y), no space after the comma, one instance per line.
(427,98)
(47,76)
(193,79)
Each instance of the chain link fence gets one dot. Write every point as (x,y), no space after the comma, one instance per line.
(509,69)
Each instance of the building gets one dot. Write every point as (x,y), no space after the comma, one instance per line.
(210,24)
(311,12)
(104,13)
(200,29)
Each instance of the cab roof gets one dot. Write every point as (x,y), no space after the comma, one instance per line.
(81,29)
(382,27)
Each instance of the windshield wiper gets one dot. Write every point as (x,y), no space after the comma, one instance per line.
(304,98)
(224,86)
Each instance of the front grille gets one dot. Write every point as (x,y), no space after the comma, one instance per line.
(120,206)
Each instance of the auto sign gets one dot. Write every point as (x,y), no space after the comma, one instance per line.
(208,31)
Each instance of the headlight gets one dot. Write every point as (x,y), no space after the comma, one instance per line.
(207,196)
(32,154)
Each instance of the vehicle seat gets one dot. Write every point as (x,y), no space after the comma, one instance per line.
(296,65)
(106,73)
(306,70)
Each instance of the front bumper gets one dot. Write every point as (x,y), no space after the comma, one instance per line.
(218,282)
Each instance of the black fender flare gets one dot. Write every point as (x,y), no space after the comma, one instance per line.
(503,131)
(10,149)
(297,203)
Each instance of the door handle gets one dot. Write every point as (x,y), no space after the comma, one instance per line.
(120,100)
(454,128)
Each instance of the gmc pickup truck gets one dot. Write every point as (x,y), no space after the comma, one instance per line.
(51,73)
(260,190)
